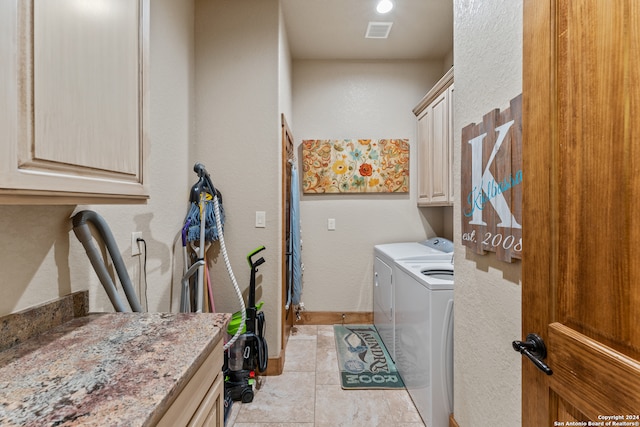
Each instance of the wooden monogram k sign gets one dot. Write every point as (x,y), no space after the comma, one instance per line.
(491,186)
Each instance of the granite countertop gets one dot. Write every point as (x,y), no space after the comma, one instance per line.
(104,369)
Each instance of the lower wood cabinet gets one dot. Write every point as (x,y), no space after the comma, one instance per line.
(201,402)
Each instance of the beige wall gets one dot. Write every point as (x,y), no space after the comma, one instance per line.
(285,70)
(241,77)
(355,99)
(488,69)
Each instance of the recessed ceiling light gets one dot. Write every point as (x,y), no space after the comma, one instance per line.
(384,6)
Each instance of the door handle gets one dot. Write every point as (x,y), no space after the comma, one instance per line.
(535,350)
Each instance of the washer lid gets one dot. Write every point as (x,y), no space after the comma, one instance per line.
(432,275)
(409,251)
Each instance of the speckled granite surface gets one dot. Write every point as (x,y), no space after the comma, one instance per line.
(18,327)
(120,369)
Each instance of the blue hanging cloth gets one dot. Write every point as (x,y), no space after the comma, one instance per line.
(295,242)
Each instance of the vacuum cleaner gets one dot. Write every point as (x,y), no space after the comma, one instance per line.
(249,354)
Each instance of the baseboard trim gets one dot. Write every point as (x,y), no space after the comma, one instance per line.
(275,366)
(452,421)
(334,317)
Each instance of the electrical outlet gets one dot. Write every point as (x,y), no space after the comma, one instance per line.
(135,245)
(331,224)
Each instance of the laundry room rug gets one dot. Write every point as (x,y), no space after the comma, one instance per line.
(363,359)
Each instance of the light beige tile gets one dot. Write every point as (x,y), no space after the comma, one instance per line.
(325,329)
(400,424)
(337,407)
(326,339)
(326,359)
(327,371)
(300,356)
(328,377)
(291,424)
(233,414)
(401,406)
(303,332)
(284,398)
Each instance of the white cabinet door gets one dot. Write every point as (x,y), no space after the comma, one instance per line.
(439,150)
(75,84)
(425,129)
(435,141)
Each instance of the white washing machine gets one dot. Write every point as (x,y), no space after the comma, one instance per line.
(384,272)
(424,336)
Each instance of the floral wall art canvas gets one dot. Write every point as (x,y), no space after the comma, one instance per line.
(355,166)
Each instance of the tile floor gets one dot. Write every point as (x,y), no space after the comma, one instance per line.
(308,393)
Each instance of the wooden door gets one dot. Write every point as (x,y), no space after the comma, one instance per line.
(581,202)
(288,153)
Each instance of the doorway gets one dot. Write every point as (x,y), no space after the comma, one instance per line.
(288,155)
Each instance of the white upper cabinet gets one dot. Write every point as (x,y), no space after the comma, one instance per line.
(74,101)
(435,141)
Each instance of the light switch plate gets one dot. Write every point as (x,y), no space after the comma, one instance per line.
(261,219)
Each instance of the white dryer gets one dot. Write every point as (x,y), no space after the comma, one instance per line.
(384,279)
(424,336)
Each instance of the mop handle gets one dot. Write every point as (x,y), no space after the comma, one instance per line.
(200,282)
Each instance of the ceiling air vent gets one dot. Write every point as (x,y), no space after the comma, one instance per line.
(378,30)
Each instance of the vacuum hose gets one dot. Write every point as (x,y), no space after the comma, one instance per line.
(263,350)
(82,232)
